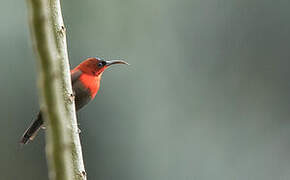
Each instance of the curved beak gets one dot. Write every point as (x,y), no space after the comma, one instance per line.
(111,62)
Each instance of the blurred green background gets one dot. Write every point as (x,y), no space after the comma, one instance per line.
(207,95)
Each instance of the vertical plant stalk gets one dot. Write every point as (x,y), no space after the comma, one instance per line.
(63,148)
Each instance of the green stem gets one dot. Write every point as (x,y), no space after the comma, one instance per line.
(63,148)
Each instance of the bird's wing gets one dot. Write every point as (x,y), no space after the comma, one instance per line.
(75,74)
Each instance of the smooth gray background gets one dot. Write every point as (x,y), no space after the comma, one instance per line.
(206,96)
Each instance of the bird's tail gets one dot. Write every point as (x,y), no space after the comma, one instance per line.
(31,132)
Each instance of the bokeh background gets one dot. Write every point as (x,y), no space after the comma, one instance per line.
(207,95)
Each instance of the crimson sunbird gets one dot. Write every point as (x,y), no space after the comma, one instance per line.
(85,79)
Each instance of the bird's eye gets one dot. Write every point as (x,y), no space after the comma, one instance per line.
(100,64)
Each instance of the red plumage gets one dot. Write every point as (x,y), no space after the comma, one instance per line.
(86,79)
(92,83)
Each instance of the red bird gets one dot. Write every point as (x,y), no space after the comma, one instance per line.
(85,79)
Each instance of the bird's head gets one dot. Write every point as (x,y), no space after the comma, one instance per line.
(96,66)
